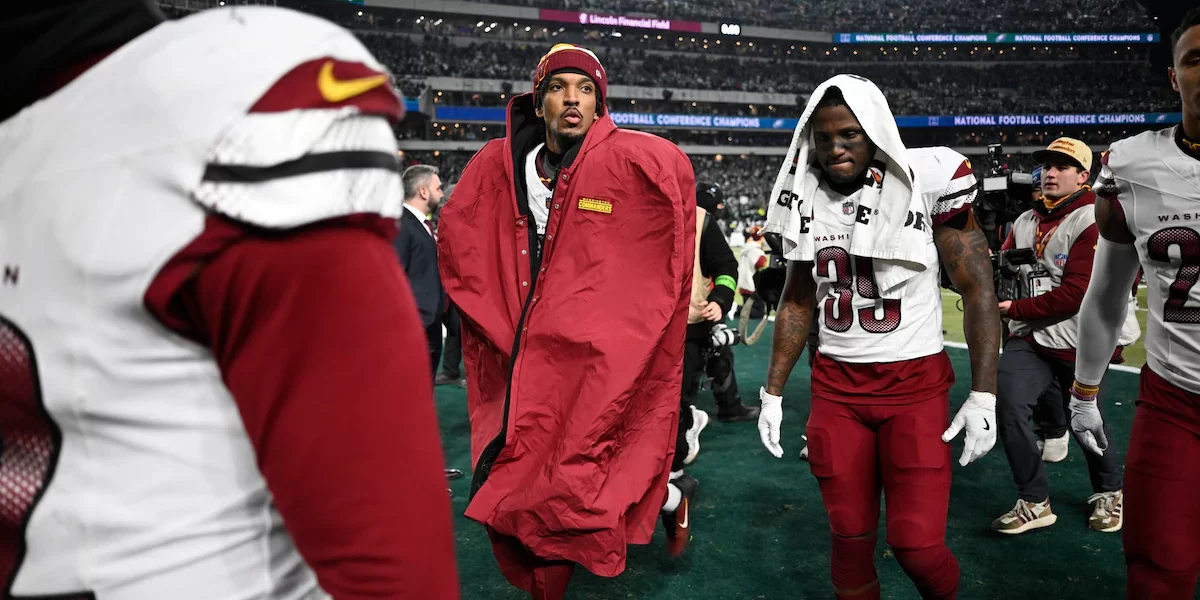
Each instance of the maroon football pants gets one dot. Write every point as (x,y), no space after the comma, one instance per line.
(858,450)
(543,579)
(1162,493)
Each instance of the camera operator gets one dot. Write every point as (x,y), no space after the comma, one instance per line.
(708,340)
(1040,351)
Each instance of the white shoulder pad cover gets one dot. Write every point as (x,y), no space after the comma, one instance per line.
(311,138)
(946,178)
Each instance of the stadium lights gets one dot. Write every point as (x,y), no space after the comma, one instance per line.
(360,13)
(484,128)
(527,28)
(479,24)
(437,152)
(659,37)
(613,34)
(494,24)
(437,22)
(803,48)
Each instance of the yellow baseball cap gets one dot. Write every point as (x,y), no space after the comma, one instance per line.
(1071,148)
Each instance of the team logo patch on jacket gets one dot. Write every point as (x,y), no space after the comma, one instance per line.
(596,205)
(1060,260)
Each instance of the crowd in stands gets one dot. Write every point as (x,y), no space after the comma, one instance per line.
(1036,16)
(917,89)
(550,33)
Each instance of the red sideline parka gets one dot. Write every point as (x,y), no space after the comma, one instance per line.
(574,359)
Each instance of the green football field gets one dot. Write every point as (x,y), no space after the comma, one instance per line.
(1135,354)
(761,532)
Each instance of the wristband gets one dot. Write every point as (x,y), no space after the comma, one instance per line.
(1084,392)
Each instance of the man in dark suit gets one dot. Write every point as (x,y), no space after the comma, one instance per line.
(416,246)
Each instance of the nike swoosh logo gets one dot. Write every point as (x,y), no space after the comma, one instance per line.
(686,515)
(338,90)
(987,426)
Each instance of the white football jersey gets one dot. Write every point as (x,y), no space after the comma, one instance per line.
(1158,187)
(125,471)
(856,325)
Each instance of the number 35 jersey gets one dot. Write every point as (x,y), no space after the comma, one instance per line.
(856,325)
(1157,185)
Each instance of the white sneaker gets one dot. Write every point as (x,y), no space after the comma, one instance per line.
(1055,449)
(699,422)
(1106,515)
(1025,516)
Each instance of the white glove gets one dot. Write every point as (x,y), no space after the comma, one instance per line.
(978,415)
(769,419)
(1087,423)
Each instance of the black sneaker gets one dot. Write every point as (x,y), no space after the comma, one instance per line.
(739,412)
(679,523)
(444,379)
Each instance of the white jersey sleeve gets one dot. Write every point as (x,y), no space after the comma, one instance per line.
(947,182)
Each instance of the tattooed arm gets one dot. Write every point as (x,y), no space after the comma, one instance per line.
(965,256)
(793,319)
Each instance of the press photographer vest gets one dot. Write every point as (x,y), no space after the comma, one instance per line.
(1052,249)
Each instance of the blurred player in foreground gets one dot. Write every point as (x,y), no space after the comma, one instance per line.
(865,223)
(213,381)
(1149,191)
(573,282)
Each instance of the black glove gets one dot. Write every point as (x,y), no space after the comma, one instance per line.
(768,284)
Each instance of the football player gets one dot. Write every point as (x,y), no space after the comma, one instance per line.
(213,379)
(881,377)
(1149,191)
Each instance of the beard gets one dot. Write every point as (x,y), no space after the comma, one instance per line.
(566,140)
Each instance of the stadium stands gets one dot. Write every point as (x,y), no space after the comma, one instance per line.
(478,52)
(882,15)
